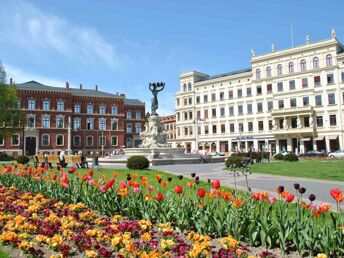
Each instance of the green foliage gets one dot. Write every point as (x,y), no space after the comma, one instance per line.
(137,162)
(23,159)
(291,157)
(4,157)
(278,156)
(236,160)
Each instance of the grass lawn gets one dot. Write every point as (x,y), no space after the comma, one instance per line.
(332,169)
(3,253)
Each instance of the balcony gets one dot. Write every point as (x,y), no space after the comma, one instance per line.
(299,131)
(293,111)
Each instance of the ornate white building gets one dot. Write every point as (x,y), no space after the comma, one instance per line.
(291,99)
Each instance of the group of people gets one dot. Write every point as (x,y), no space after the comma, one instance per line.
(61,159)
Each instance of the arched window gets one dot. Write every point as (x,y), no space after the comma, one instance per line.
(45,140)
(303,65)
(328,60)
(268,71)
(279,69)
(315,62)
(59,140)
(76,140)
(189,86)
(258,74)
(291,67)
(184,87)
(89,140)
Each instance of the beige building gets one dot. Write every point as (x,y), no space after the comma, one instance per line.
(289,99)
(169,123)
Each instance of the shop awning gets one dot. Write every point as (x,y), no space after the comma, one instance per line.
(319,138)
(305,139)
(332,137)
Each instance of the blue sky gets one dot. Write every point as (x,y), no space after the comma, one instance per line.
(123,45)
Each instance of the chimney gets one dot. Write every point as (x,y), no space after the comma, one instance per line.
(67,85)
(96,87)
(308,39)
(80,86)
(11,81)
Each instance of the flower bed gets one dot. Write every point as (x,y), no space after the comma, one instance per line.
(257,219)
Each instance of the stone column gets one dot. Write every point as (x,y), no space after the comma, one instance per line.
(327,141)
(289,144)
(302,146)
(277,145)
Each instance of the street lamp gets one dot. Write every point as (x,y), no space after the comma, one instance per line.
(102,142)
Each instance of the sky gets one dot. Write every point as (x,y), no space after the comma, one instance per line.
(123,45)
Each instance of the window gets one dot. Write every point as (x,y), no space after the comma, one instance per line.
(261,125)
(291,67)
(222,112)
(60,105)
(76,140)
(31,105)
(280,86)
(315,62)
(318,100)
(185,115)
(2,141)
(316,80)
(259,107)
(89,140)
(129,115)
(240,110)
(138,115)
(190,101)
(206,113)
(306,121)
(89,109)
(249,109)
(258,74)
(178,102)
(223,128)
(46,105)
(185,101)
(231,111)
(333,120)
(270,125)
(214,129)
(198,130)
(268,88)
(190,115)
(184,87)
(198,114)
(304,82)
(328,60)
(206,129)
(77,108)
(45,140)
(281,103)
(114,125)
(241,127)
(293,102)
(231,128)
(279,69)
(129,128)
(186,131)
(189,86)
(292,85)
(198,99)
(59,140)
(281,123)
(138,128)
(270,105)
(259,90)
(102,124)
(268,71)
(250,126)
(213,112)
(31,122)
(342,74)
(102,110)
(114,141)
(293,123)
(330,78)
(90,124)
(102,141)
(77,124)
(239,93)
(306,101)
(303,65)
(222,95)
(230,94)
(178,116)
(15,140)
(17,104)
(331,99)
(59,122)
(320,122)
(114,109)
(205,98)
(249,92)
(213,97)
(46,122)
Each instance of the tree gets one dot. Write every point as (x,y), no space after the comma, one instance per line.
(12,119)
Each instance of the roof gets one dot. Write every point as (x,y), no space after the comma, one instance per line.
(228,74)
(133,102)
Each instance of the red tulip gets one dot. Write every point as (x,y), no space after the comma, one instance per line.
(216,184)
(54,176)
(178,189)
(337,194)
(159,197)
(109,183)
(201,193)
(256,196)
(289,197)
(90,173)
(72,170)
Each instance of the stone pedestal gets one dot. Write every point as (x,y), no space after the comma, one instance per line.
(155,135)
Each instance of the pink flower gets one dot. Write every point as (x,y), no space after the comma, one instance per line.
(313,207)
(91,182)
(135,189)
(272,200)
(103,188)
(123,184)
(212,190)
(151,188)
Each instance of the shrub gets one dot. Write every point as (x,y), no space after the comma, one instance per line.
(23,159)
(278,156)
(291,157)
(234,159)
(137,162)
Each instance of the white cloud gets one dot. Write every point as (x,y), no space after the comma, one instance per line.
(23,24)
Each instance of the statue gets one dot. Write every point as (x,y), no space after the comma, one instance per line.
(155,88)
(298,123)
(285,124)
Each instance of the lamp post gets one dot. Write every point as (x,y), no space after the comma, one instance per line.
(102,142)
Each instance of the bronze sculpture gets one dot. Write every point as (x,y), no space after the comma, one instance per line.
(155,88)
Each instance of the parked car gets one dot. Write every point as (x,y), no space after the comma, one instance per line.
(336,154)
(313,153)
(283,153)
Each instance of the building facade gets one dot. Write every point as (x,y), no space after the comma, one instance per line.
(169,123)
(289,100)
(72,119)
